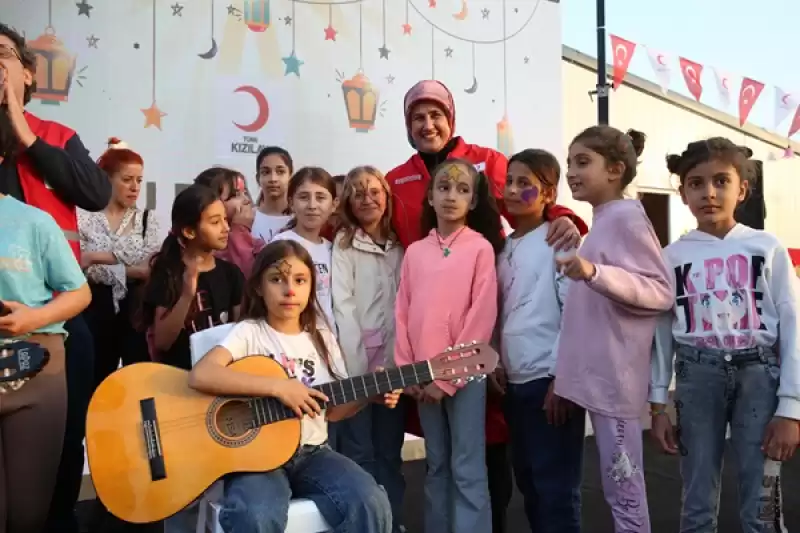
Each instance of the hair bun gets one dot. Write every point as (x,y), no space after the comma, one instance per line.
(748,153)
(673,163)
(114,143)
(638,139)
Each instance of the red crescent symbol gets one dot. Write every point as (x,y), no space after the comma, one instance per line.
(660,59)
(725,83)
(263,109)
(785,98)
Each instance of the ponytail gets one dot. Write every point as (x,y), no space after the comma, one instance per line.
(167,265)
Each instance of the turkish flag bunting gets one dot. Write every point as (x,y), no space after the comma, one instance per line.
(622,51)
(691,74)
(748,94)
(795,127)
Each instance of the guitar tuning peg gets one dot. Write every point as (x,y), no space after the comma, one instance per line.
(457,382)
(482,377)
(449,349)
(460,346)
(474,343)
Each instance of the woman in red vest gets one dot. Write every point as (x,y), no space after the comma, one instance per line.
(44,164)
(430,122)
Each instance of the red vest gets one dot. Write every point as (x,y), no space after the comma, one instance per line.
(37,193)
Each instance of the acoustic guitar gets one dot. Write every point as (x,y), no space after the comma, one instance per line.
(154,445)
(19,362)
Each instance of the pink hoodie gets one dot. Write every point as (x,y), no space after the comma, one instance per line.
(444,301)
(609,323)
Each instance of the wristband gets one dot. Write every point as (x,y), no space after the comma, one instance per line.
(656,412)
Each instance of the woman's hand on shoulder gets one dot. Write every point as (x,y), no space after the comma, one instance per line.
(563,234)
(299,398)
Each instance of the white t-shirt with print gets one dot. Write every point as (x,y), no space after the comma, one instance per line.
(267,226)
(297,354)
(322,255)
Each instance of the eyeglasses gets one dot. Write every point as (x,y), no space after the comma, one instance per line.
(6,52)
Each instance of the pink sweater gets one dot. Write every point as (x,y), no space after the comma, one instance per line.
(444,301)
(609,323)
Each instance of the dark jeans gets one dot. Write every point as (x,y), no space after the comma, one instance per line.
(346,496)
(79,352)
(547,459)
(498,469)
(373,438)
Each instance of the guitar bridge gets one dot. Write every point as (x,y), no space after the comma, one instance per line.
(152,439)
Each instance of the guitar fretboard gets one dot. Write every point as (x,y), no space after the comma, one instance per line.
(270,410)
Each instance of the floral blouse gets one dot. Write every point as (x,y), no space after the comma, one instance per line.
(131,244)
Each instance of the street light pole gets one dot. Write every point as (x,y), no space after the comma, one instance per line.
(602,76)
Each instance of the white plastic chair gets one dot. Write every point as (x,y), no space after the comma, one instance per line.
(304,517)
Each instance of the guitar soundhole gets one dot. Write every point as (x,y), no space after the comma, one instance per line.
(234,419)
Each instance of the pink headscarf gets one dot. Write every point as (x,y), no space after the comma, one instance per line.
(430,91)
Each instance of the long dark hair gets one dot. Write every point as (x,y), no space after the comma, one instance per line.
(543,165)
(254,308)
(167,263)
(483,218)
(219,179)
(263,154)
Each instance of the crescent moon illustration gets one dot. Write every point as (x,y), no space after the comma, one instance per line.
(624,53)
(461,15)
(212,52)
(785,99)
(691,73)
(263,109)
(660,59)
(474,87)
(752,90)
(725,83)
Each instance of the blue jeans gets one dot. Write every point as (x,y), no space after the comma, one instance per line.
(456,487)
(346,496)
(374,438)
(713,389)
(547,459)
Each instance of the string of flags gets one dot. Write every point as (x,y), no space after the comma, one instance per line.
(750,90)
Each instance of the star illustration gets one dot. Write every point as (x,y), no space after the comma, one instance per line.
(330,33)
(485,12)
(384,52)
(287,20)
(448,52)
(390,79)
(92,40)
(516,10)
(527,60)
(232,10)
(292,64)
(153,116)
(136,46)
(84,8)
(177,10)
(406,29)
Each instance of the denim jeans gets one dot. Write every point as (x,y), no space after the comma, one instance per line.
(346,496)
(456,486)
(713,389)
(547,459)
(373,438)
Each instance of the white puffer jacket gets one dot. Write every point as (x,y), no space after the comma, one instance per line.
(364,280)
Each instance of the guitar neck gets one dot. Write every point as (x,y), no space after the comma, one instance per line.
(270,410)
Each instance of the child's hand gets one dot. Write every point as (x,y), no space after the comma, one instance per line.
(664,433)
(432,393)
(576,267)
(299,398)
(190,275)
(498,381)
(781,438)
(563,234)
(415,391)
(19,321)
(557,410)
(389,399)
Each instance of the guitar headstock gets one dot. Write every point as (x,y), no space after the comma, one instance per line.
(20,361)
(464,362)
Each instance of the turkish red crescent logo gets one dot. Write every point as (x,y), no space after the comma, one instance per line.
(661,60)
(263,109)
(785,99)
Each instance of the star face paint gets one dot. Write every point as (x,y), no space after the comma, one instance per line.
(284,267)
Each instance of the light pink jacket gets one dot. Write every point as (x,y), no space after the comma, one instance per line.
(609,323)
(444,301)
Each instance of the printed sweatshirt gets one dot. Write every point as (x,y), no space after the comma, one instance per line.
(603,361)
(444,301)
(733,293)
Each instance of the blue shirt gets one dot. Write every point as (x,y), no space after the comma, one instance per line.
(35,258)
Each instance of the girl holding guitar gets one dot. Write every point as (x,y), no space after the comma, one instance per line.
(35,261)
(280,319)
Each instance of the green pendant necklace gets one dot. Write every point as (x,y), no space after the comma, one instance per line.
(443,246)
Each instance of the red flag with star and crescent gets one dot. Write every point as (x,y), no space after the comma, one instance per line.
(691,75)
(795,127)
(748,94)
(623,53)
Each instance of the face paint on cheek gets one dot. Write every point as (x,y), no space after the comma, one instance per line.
(530,195)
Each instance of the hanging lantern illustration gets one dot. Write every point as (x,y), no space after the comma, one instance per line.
(505,137)
(256,15)
(55,68)
(361,101)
